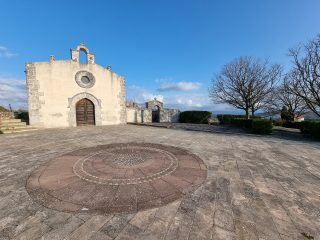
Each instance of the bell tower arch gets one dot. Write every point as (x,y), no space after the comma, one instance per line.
(75,54)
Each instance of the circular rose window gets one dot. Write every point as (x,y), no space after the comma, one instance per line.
(85,79)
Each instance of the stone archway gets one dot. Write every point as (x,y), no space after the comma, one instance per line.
(156,113)
(72,106)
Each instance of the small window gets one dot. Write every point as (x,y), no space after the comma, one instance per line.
(85,80)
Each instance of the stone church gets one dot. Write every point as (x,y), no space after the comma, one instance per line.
(68,93)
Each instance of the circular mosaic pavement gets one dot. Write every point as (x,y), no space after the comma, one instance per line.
(116,178)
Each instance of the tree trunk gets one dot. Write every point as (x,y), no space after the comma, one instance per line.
(247,113)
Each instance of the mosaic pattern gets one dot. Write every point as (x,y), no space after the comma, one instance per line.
(117,178)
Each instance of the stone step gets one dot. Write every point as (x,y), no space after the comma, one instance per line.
(10,120)
(25,129)
(12,124)
(10,127)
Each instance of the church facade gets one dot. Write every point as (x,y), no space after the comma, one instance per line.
(67,93)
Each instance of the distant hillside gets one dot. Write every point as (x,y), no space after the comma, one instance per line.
(2,109)
(311,116)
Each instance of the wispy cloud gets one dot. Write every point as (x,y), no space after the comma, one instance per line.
(13,91)
(178,86)
(140,94)
(189,101)
(182,101)
(6,53)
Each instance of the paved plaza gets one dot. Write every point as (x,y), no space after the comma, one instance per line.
(141,182)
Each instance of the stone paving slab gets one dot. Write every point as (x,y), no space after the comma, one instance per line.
(116,178)
(257,187)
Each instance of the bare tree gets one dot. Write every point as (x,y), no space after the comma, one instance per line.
(245,83)
(282,96)
(306,74)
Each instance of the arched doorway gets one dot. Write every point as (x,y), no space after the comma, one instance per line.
(156,114)
(85,112)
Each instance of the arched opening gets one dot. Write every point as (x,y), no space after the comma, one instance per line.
(156,114)
(85,113)
(82,56)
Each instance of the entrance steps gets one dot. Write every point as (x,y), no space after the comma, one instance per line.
(13,126)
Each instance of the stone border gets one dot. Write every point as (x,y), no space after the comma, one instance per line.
(78,169)
(56,186)
(72,105)
(122,101)
(34,103)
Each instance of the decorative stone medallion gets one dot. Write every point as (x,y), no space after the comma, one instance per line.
(85,79)
(116,178)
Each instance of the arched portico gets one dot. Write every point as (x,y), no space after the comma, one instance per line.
(72,106)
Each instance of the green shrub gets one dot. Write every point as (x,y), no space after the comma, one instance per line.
(226,118)
(292,124)
(194,117)
(241,122)
(261,126)
(3,109)
(311,127)
(23,115)
(277,122)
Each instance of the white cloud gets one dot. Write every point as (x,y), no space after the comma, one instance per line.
(185,101)
(6,53)
(188,101)
(141,95)
(179,86)
(13,91)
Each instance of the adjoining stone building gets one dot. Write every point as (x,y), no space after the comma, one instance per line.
(152,112)
(65,93)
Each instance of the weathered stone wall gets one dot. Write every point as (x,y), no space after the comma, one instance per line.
(6,115)
(147,115)
(154,102)
(134,115)
(138,115)
(122,101)
(34,95)
(169,115)
(54,88)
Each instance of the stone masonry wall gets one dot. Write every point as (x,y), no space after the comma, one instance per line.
(33,94)
(122,101)
(6,115)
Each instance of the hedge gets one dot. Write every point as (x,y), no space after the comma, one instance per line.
(23,115)
(257,125)
(311,127)
(292,124)
(194,117)
(241,122)
(262,126)
(226,118)
(277,122)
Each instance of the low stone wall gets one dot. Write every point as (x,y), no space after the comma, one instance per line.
(6,115)
(139,115)
(134,115)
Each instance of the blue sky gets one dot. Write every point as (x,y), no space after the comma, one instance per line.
(167,48)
